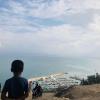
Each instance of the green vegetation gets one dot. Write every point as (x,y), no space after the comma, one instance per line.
(92,79)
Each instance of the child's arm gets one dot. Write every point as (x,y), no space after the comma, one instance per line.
(26,90)
(4,91)
(3,96)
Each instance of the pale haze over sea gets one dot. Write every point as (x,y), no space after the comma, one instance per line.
(50,36)
(36,66)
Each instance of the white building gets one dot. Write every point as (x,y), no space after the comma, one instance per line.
(56,80)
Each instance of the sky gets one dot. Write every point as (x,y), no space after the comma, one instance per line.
(62,28)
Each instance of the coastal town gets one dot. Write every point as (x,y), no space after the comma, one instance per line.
(54,81)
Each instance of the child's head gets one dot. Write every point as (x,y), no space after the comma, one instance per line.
(17,67)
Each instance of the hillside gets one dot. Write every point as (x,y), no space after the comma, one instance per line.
(89,92)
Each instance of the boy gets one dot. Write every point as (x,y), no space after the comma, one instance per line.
(15,88)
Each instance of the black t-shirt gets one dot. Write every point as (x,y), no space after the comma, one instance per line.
(16,87)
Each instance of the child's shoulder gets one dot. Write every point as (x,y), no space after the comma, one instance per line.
(8,81)
(23,79)
(13,79)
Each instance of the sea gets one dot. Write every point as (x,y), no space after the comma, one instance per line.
(36,66)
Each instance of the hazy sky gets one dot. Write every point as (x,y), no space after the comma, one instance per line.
(52,27)
(69,28)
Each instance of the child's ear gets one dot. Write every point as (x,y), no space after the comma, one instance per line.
(11,70)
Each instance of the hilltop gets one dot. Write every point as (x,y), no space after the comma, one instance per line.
(88,92)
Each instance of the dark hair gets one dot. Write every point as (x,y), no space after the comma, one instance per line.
(17,66)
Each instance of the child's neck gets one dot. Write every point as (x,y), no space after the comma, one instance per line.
(17,75)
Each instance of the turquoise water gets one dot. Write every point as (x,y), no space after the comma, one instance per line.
(40,66)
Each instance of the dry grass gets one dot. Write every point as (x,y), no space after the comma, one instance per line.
(47,96)
(91,92)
